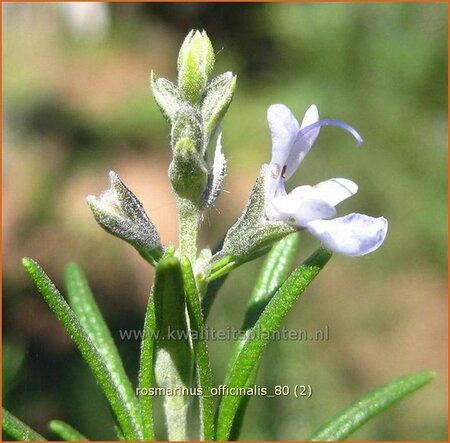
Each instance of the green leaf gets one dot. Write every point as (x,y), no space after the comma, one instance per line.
(174,360)
(65,431)
(210,287)
(218,96)
(361,411)
(259,335)
(273,273)
(211,293)
(200,350)
(18,429)
(13,355)
(270,278)
(122,406)
(146,376)
(170,313)
(147,359)
(166,96)
(83,303)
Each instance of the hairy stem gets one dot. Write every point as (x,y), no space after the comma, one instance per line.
(189,220)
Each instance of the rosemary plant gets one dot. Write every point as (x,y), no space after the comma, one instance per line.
(174,361)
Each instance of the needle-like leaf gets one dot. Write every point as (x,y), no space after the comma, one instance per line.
(122,406)
(273,273)
(18,429)
(82,301)
(174,356)
(200,350)
(146,376)
(259,335)
(369,406)
(65,431)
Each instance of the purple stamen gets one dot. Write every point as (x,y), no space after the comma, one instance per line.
(330,122)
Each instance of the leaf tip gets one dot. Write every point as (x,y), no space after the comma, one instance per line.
(28,263)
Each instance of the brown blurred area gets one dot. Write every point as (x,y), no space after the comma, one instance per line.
(77,104)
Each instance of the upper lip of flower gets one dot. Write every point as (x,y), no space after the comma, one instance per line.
(311,207)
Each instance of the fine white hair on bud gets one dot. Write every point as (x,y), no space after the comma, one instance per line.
(119,212)
(194,108)
(195,65)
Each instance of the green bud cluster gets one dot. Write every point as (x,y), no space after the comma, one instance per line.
(194,108)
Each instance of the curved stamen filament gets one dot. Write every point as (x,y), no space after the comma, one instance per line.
(330,122)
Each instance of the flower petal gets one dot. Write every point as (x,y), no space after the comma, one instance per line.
(303,144)
(300,210)
(283,128)
(311,116)
(332,191)
(352,235)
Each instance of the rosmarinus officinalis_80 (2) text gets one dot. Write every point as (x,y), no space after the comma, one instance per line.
(174,359)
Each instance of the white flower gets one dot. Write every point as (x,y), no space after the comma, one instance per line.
(313,207)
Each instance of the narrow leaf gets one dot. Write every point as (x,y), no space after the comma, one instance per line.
(166,96)
(146,376)
(174,359)
(361,411)
(122,406)
(271,276)
(218,96)
(147,359)
(259,335)
(65,431)
(18,429)
(211,293)
(212,286)
(13,355)
(200,350)
(83,303)
(273,273)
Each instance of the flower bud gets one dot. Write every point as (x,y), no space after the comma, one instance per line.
(219,94)
(195,64)
(187,125)
(188,171)
(120,213)
(253,234)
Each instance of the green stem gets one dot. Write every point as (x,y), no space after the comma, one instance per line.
(189,220)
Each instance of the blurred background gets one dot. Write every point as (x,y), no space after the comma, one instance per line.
(77,103)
